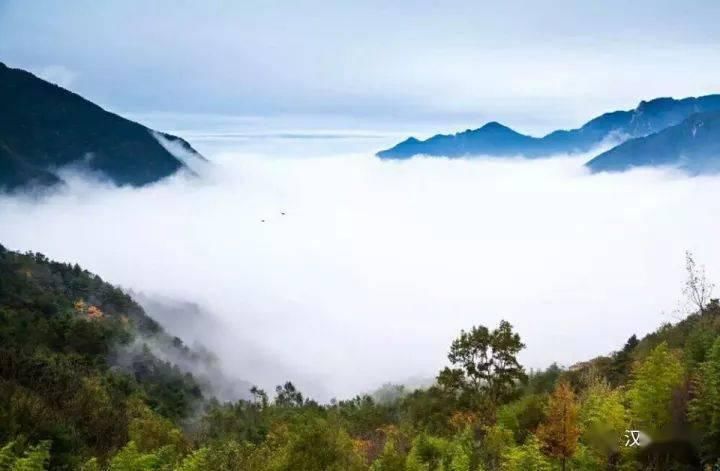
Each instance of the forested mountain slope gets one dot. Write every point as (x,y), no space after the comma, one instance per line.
(69,400)
(64,374)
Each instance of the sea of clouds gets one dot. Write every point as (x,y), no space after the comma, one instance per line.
(376,265)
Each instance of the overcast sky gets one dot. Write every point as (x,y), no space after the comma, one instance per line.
(532,64)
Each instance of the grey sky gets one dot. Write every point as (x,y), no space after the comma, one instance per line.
(532,64)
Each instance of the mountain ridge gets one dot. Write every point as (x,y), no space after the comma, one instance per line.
(647,118)
(45,127)
(692,146)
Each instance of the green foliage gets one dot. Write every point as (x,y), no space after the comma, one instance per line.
(526,457)
(604,419)
(488,366)
(543,381)
(495,444)
(429,453)
(586,459)
(310,443)
(362,416)
(523,415)
(80,388)
(462,453)
(242,421)
(34,458)
(130,458)
(651,390)
(391,458)
(621,365)
(150,431)
(61,332)
(704,408)
(199,460)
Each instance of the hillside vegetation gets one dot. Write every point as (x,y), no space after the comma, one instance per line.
(74,395)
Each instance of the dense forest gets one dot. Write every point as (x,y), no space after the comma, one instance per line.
(83,387)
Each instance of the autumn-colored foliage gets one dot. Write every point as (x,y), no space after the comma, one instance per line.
(560,432)
(460,420)
(94,312)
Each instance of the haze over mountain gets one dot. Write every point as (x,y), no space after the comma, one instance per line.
(44,127)
(693,146)
(494,139)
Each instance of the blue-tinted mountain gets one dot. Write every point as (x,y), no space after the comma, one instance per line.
(44,127)
(693,146)
(494,139)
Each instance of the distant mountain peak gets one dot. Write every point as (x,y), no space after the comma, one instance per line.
(494,126)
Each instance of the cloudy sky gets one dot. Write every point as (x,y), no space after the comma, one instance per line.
(532,64)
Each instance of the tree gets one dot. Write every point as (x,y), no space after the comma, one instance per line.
(427,453)
(495,443)
(523,416)
(603,418)
(560,432)
(698,290)
(430,453)
(651,390)
(487,363)
(35,458)
(704,408)
(311,443)
(259,396)
(391,458)
(527,457)
(149,432)
(622,361)
(132,459)
(288,396)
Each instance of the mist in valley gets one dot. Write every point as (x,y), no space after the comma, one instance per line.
(344,272)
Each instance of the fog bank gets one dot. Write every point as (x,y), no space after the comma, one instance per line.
(376,265)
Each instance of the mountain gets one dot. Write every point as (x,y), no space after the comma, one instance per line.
(44,127)
(693,146)
(494,139)
(76,393)
(78,360)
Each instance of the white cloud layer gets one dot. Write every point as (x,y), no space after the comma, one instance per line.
(377,265)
